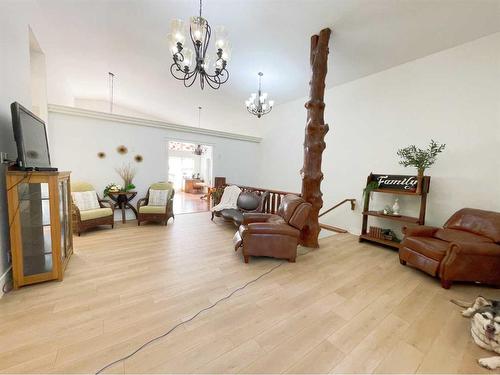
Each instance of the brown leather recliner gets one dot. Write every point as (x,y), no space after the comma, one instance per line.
(467,248)
(273,235)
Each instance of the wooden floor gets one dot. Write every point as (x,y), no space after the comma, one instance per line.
(347,307)
(185,203)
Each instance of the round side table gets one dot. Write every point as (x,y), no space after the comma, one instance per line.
(122,200)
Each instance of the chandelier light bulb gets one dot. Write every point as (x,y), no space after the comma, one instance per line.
(271,103)
(220,37)
(179,37)
(176,25)
(188,58)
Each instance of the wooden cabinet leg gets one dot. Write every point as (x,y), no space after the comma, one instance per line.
(247,258)
(403,262)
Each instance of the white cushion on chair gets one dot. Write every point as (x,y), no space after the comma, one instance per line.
(85,200)
(157,197)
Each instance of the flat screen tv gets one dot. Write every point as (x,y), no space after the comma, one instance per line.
(31,139)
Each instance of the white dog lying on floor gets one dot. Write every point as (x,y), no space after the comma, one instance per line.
(485,327)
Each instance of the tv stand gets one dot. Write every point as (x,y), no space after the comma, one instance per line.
(34,169)
(41,234)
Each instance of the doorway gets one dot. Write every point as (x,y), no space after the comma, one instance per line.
(190,171)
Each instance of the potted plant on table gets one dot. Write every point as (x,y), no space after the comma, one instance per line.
(420,159)
(112,188)
(127,173)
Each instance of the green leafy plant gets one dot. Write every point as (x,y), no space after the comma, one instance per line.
(129,187)
(370,186)
(418,158)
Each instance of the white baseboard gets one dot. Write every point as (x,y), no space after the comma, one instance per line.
(4,279)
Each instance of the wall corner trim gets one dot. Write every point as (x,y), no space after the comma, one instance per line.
(56,108)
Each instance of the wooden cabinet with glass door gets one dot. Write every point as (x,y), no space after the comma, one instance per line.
(40,225)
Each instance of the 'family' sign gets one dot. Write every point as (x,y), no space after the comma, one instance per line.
(396,182)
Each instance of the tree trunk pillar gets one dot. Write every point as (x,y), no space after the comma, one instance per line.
(314,142)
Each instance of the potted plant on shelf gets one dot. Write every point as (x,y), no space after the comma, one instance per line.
(370,186)
(420,159)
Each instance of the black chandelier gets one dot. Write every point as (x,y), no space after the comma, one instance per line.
(188,65)
(259,104)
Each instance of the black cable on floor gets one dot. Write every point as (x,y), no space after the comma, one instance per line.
(187,321)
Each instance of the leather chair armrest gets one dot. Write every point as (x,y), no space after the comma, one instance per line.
(471,261)
(255,217)
(272,228)
(420,231)
(475,248)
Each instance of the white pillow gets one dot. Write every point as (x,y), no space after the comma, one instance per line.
(85,200)
(157,197)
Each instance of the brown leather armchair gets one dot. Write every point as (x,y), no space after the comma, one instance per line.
(467,248)
(271,235)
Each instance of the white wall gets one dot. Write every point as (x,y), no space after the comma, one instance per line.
(38,79)
(452,97)
(15,18)
(75,142)
(104,106)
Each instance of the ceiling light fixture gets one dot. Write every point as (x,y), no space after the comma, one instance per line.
(188,65)
(111,86)
(199,149)
(258,104)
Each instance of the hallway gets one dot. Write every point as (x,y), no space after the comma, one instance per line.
(185,203)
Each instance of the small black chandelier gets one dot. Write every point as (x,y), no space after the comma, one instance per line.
(199,149)
(258,104)
(188,65)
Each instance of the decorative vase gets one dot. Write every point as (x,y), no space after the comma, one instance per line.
(395,207)
(420,181)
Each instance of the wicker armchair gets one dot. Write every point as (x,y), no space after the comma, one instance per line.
(146,212)
(83,220)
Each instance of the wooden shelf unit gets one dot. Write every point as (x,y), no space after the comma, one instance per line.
(420,220)
(406,219)
(40,225)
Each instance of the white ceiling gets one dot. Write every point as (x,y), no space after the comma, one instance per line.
(84,39)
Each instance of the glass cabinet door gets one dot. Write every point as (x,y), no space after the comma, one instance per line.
(64,218)
(34,213)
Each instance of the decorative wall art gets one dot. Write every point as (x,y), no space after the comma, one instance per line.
(138,158)
(101,155)
(122,150)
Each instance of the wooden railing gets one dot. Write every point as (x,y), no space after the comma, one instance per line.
(274,200)
(275,197)
(331,227)
(353,206)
